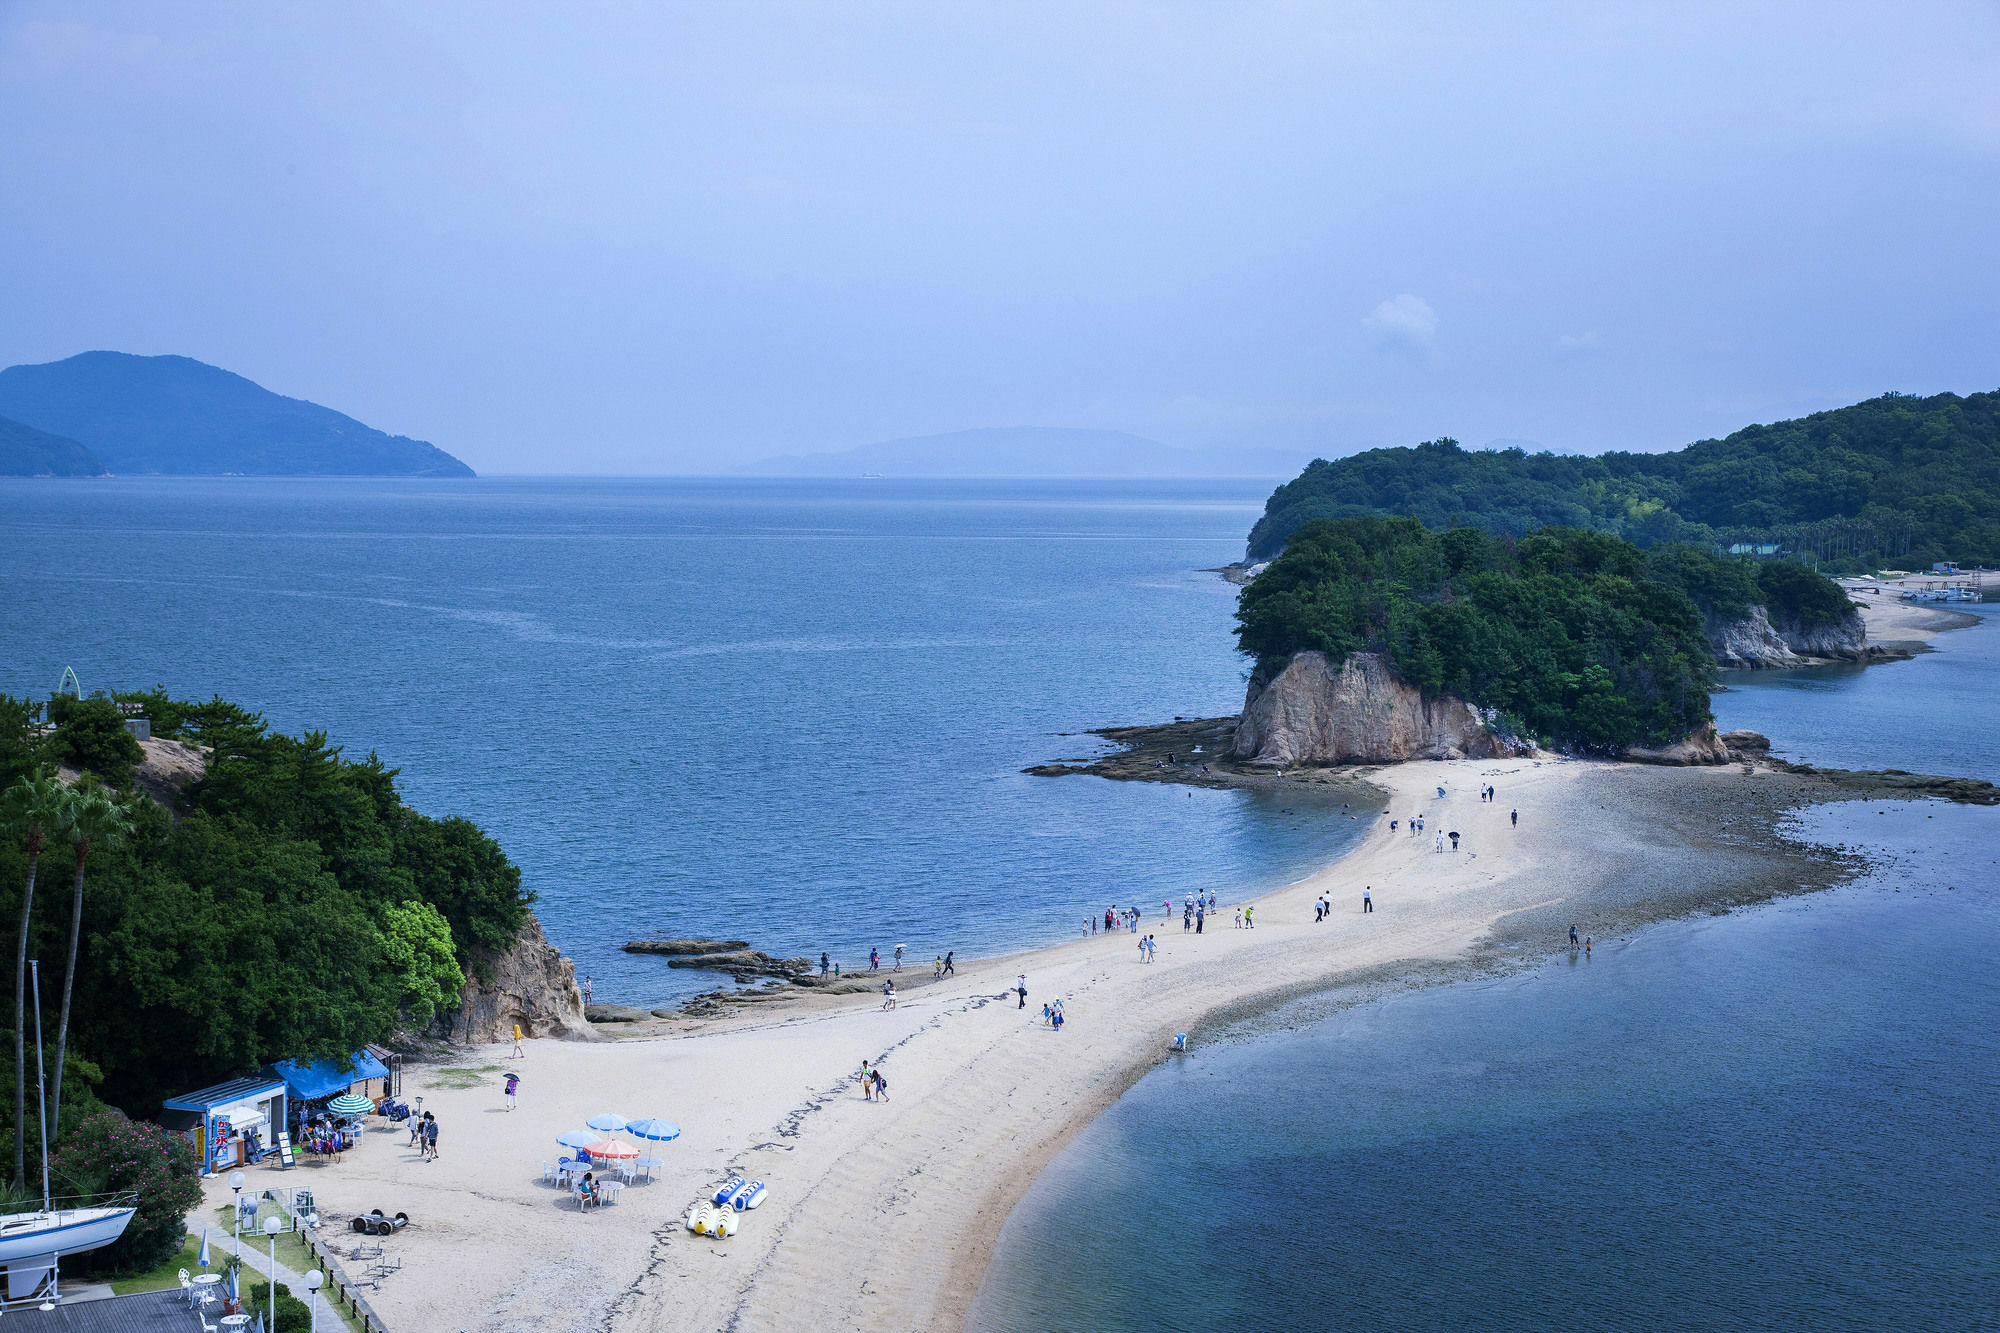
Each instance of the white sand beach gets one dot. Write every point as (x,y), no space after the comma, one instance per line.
(882,1216)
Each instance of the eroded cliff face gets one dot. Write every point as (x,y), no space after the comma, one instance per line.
(1754,643)
(530,984)
(1314,713)
(1846,641)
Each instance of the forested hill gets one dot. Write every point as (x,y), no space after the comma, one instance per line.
(287,906)
(1895,481)
(176,416)
(1572,635)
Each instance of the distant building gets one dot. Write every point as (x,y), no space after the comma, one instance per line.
(1945,567)
(1753,548)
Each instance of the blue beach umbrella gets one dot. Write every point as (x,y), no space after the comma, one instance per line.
(657,1130)
(202,1258)
(609,1124)
(576,1138)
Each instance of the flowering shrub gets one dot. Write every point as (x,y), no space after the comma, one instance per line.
(109,1154)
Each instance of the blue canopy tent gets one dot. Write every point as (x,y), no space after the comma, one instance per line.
(328,1078)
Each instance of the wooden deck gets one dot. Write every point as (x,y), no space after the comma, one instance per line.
(149,1312)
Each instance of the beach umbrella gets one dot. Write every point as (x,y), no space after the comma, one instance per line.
(350,1103)
(576,1138)
(611,1150)
(657,1130)
(202,1258)
(607,1124)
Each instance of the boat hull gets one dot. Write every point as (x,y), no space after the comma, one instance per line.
(36,1237)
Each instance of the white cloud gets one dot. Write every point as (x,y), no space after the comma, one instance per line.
(1402,321)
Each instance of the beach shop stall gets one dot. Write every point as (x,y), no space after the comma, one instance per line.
(230,1123)
(329,1097)
(362,1074)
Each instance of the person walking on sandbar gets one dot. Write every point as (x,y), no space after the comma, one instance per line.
(1367,901)
(1021,989)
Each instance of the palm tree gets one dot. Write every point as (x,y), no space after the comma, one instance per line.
(32,806)
(92,817)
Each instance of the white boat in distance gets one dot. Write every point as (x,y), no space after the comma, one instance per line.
(26,1238)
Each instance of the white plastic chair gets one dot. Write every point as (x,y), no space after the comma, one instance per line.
(187,1286)
(548,1171)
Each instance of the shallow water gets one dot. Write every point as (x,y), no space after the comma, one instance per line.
(789,712)
(1781,1119)
(1938,712)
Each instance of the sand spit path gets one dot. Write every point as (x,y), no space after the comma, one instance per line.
(882,1216)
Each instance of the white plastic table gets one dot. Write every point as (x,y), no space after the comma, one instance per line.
(234,1320)
(650,1165)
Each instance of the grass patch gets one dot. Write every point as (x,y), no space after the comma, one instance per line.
(167,1274)
(461,1077)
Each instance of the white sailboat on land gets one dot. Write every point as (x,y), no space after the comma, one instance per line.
(32,1243)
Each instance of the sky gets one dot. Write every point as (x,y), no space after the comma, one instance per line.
(664,238)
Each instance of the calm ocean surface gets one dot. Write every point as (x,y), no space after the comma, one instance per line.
(1786,1118)
(787,712)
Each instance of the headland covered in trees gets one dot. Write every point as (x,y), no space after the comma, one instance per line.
(278,902)
(1897,480)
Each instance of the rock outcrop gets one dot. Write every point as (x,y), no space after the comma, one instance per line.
(1754,643)
(1313,713)
(1751,644)
(1700,747)
(530,984)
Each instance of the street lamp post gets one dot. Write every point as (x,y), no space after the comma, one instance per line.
(314,1281)
(236,1185)
(271,1291)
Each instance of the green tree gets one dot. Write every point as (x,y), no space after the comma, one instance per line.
(416,943)
(33,807)
(92,819)
(91,735)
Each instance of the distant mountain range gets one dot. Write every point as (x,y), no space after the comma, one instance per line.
(27,452)
(1029,451)
(172,415)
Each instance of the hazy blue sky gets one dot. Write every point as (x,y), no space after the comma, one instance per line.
(656,237)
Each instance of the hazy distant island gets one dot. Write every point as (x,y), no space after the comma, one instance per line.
(1897,480)
(174,416)
(1032,451)
(27,452)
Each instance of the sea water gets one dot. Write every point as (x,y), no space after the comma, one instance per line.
(788,712)
(1783,1118)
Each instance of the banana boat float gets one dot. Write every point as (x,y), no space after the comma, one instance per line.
(740,1194)
(706,1219)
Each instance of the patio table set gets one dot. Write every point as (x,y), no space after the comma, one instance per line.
(602,1155)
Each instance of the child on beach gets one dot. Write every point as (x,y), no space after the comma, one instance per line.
(518,1054)
(881,1086)
(867,1082)
(888,995)
(513,1087)
(1239,918)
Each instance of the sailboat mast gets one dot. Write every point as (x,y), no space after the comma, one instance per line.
(41,1078)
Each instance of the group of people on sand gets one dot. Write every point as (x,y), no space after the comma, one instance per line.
(1052,1014)
(1324,907)
(424,1132)
(874,1088)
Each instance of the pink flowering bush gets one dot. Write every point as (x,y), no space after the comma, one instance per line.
(109,1154)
